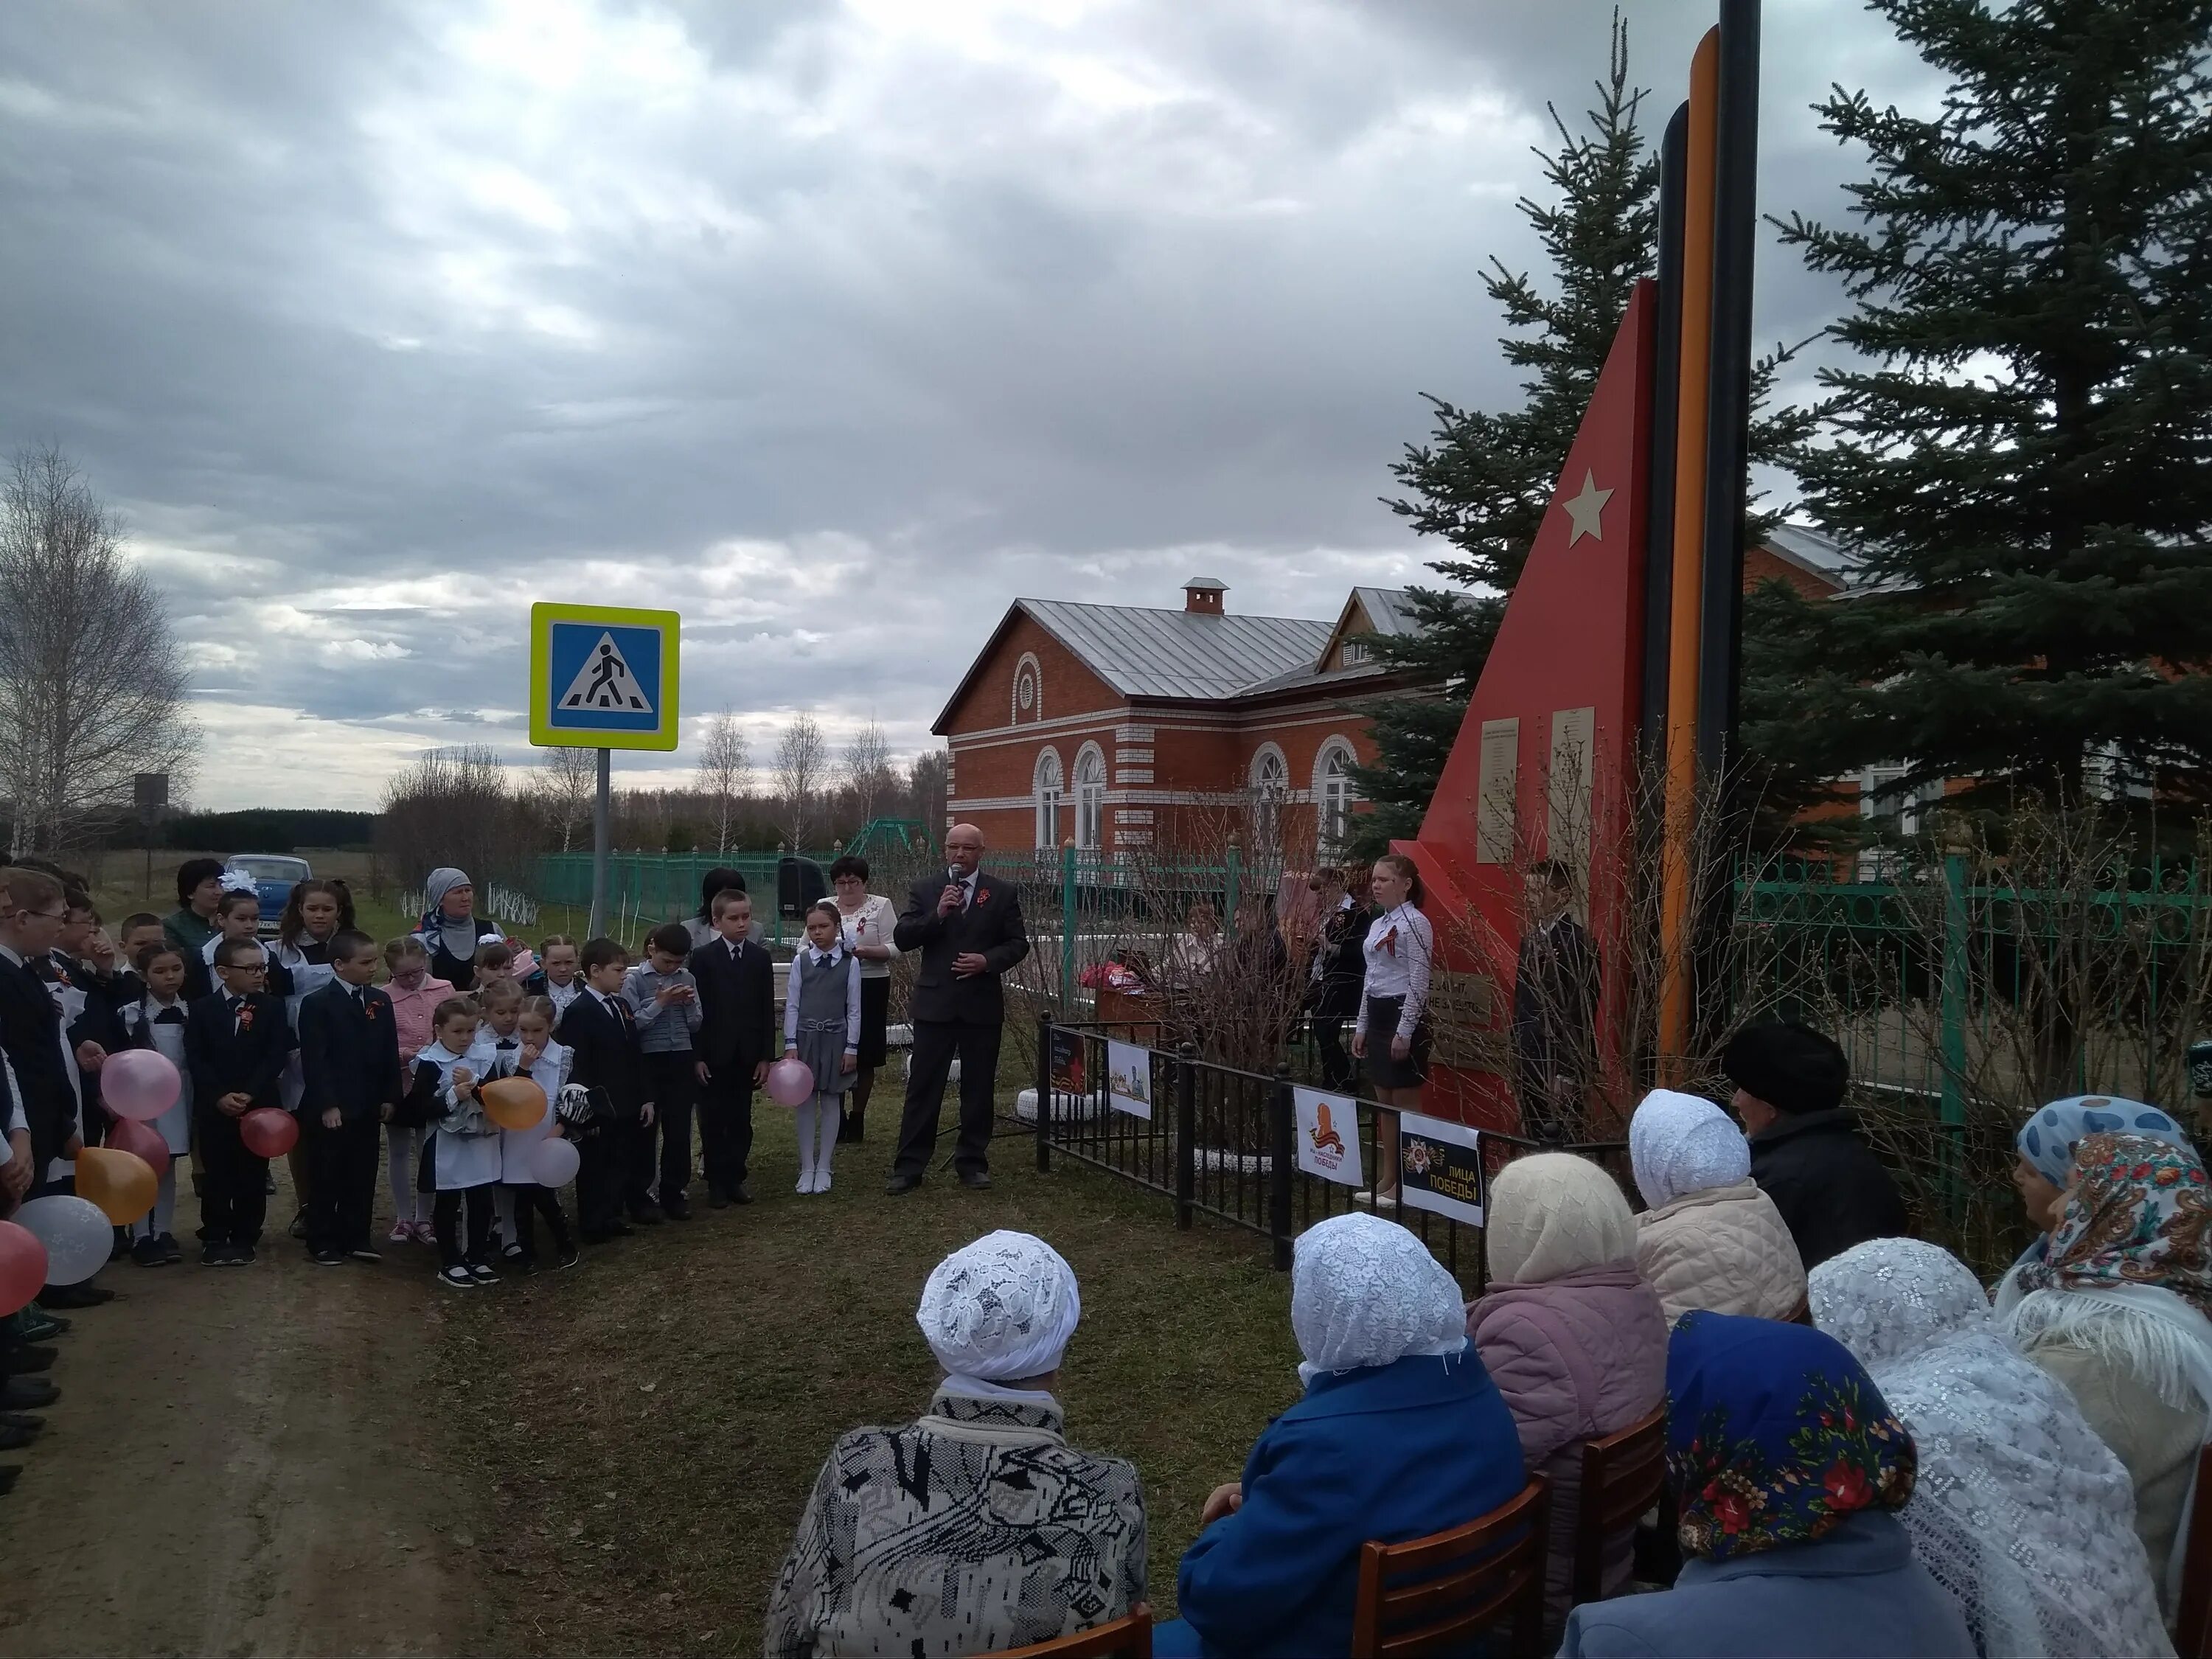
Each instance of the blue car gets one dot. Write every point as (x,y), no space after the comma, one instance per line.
(275,875)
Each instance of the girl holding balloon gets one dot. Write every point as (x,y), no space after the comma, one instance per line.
(156,1022)
(524,1162)
(822,1032)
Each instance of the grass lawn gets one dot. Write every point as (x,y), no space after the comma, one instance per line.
(649,1423)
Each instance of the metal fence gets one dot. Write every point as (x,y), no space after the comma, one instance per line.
(1221,1142)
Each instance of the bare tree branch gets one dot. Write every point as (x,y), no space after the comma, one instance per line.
(725,774)
(802,766)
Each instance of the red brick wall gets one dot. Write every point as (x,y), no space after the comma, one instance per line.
(1760,567)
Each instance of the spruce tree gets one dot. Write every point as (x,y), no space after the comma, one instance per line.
(2023,452)
(1483,480)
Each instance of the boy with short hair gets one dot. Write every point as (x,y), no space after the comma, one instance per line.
(600,1033)
(736,978)
(664,1005)
(236,1043)
(349,1065)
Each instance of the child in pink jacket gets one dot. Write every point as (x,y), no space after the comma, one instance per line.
(415,996)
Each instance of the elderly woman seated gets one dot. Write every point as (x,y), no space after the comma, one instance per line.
(977,1528)
(1401,1434)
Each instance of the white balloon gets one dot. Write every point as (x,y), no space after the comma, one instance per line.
(78,1235)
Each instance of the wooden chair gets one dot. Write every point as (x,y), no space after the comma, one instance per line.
(1125,1639)
(1623,1475)
(1434,1595)
(2192,1630)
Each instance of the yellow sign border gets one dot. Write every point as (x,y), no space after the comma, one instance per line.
(543,733)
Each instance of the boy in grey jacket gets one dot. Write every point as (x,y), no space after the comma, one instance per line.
(664,1003)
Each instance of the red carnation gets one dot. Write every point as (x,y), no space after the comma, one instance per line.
(1732,1513)
(1846,1487)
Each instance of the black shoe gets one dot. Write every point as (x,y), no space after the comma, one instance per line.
(676,1209)
(74,1296)
(24,1420)
(214,1255)
(717,1199)
(170,1253)
(299,1227)
(568,1256)
(121,1248)
(7,1474)
(148,1253)
(15,1439)
(645,1215)
(241,1256)
(22,1361)
(520,1266)
(365,1253)
(22,1393)
(622,1230)
(329,1258)
(742,1192)
(902,1183)
(975,1179)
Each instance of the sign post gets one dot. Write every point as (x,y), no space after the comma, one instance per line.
(605,679)
(150,795)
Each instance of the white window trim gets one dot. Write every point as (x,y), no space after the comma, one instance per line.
(1088,785)
(1046,797)
(1028,662)
(1333,835)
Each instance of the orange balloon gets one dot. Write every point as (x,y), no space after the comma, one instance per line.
(513,1102)
(121,1184)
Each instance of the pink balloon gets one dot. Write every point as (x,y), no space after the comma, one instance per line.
(268,1132)
(22,1267)
(142,1140)
(139,1083)
(790,1083)
(554,1163)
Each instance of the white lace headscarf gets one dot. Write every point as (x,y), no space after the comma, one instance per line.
(2021,1512)
(1000,1308)
(1364,1292)
(1682,1144)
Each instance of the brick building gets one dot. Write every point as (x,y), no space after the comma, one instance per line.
(1126,728)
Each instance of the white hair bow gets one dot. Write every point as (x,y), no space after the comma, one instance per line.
(239,881)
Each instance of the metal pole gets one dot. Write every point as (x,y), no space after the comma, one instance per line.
(599,819)
(1956,946)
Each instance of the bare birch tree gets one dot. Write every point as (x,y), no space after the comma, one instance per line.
(868,769)
(802,767)
(564,788)
(725,774)
(92,679)
(927,780)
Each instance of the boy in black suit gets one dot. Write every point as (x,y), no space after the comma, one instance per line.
(236,1043)
(350,1057)
(736,1043)
(599,1033)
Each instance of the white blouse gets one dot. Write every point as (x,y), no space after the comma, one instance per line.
(871,923)
(1400,946)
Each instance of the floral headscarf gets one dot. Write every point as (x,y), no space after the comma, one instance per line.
(2047,1140)
(2139,1213)
(1774,1435)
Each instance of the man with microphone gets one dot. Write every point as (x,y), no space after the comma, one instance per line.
(968,928)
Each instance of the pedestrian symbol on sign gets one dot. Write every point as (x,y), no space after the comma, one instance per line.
(604,681)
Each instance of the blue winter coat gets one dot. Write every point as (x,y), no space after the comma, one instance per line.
(1856,1593)
(1392,1452)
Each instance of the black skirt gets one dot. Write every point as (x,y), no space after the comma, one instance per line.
(1382,1071)
(875,1014)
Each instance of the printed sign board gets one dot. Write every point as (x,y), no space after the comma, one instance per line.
(1328,1136)
(603,678)
(1129,1079)
(1440,1167)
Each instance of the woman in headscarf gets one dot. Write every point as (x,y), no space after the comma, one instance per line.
(1787,1464)
(2019,1511)
(2116,1310)
(1570,1333)
(2044,1167)
(700,926)
(1401,1434)
(451,932)
(1711,1239)
(979,1528)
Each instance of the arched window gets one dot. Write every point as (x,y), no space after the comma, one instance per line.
(1090,797)
(1333,793)
(1047,786)
(1270,783)
(1029,691)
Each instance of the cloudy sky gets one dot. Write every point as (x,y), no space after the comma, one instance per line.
(833,326)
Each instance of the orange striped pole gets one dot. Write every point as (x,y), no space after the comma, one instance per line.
(1688,587)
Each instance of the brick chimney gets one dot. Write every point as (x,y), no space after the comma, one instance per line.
(1201,596)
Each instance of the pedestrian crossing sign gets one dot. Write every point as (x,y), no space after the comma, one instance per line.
(602,678)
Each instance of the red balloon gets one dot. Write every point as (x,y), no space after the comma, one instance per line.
(22,1267)
(142,1140)
(268,1132)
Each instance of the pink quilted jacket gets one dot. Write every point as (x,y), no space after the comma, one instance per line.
(1576,1358)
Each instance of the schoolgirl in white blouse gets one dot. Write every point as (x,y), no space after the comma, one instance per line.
(1392,1036)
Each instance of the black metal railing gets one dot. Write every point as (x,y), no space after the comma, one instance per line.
(1221,1142)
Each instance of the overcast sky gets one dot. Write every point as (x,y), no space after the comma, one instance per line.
(834,328)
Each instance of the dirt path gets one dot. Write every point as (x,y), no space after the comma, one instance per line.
(241,1463)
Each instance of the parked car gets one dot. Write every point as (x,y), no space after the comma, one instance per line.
(275,875)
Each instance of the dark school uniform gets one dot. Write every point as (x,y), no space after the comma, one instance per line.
(31,1033)
(599,1033)
(234,1045)
(737,1032)
(349,1058)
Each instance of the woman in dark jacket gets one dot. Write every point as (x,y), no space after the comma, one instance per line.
(1788,1465)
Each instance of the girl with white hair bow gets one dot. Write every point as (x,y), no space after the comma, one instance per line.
(978,1528)
(1401,1434)
(1711,1241)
